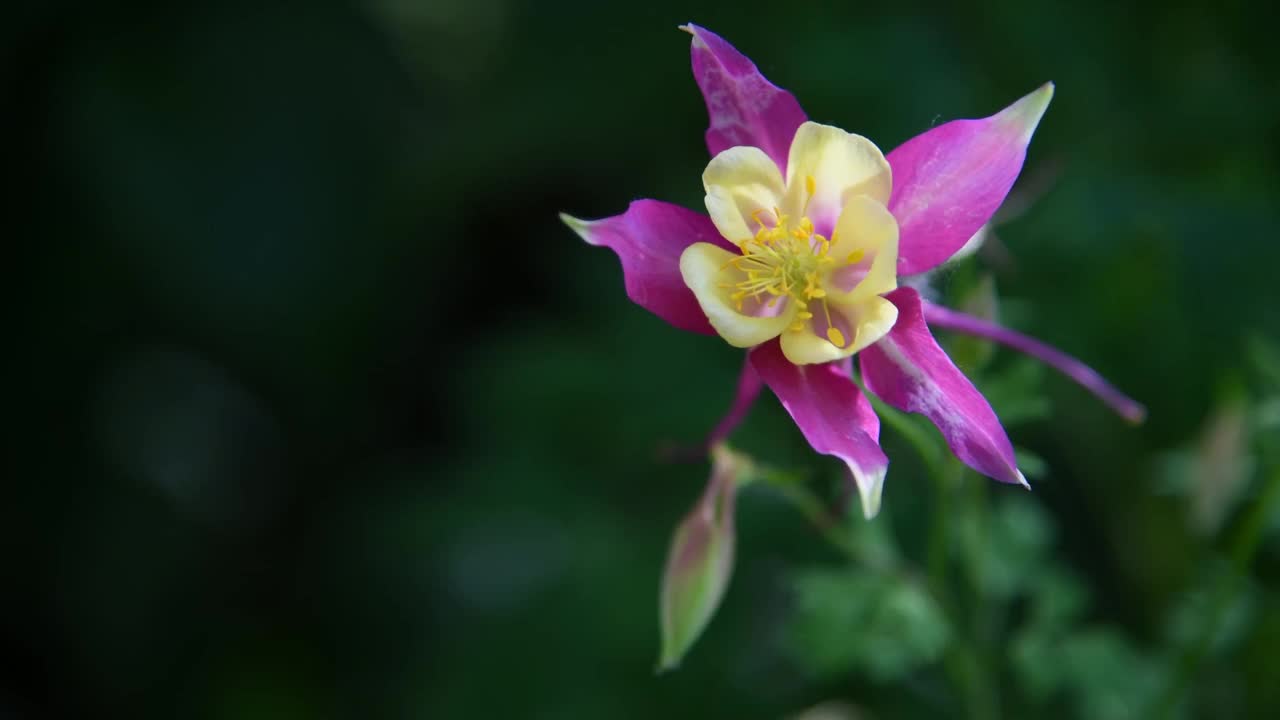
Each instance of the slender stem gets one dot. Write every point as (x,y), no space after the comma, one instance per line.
(970,657)
(813,511)
(749,386)
(982,613)
(939,540)
(827,524)
(1082,374)
(919,438)
(1244,548)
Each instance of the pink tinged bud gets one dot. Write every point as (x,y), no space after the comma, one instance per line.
(700,560)
(909,371)
(649,238)
(744,107)
(949,181)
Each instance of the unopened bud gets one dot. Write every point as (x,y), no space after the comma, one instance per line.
(700,560)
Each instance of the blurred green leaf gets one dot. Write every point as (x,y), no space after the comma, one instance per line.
(1031,464)
(849,620)
(1108,677)
(1057,601)
(1016,391)
(1018,536)
(1194,618)
(1264,353)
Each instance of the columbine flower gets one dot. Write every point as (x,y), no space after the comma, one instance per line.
(810,229)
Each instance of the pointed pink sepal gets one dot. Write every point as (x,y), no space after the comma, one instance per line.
(949,181)
(648,238)
(833,415)
(909,371)
(744,107)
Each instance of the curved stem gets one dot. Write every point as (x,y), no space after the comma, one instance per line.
(749,386)
(1082,374)
(813,511)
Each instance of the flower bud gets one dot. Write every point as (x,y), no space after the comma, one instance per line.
(700,560)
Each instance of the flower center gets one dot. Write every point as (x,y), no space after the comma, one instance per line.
(788,260)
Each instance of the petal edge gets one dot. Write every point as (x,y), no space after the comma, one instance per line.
(744,108)
(908,370)
(949,181)
(833,415)
(648,240)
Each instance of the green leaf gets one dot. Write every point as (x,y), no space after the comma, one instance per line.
(1018,537)
(1058,600)
(1016,393)
(1110,679)
(849,620)
(1031,464)
(1265,355)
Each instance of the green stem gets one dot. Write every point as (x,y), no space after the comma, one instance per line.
(982,613)
(970,659)
(939,532)
(920,439)
(827,525)
(1244,548)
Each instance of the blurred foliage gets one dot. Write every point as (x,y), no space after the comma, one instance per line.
(852,622)
(317,411)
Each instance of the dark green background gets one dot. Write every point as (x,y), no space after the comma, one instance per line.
(317,411)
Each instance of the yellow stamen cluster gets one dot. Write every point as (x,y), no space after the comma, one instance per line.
(786,260)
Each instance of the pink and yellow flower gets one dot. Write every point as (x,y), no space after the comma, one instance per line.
(808,231)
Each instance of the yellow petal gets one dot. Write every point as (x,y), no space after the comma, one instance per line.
(860,325)
(841,164)
(867,232)
(703,267)
(739,182)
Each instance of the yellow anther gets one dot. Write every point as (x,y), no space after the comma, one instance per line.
(855,257)
(810,185)
(784,260)
(835,336)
